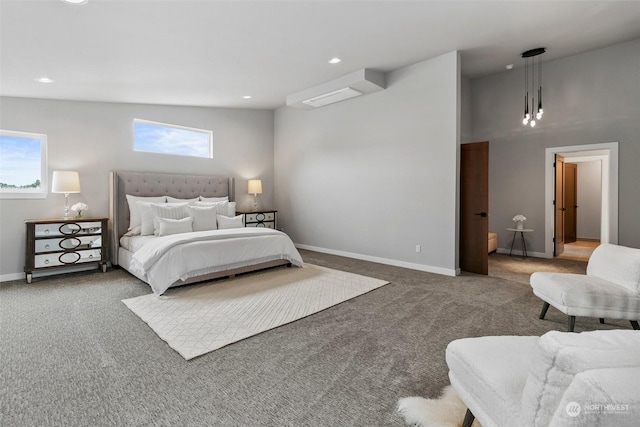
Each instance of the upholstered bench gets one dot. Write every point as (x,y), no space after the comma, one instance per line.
(610,289)
(537,381)
(493,242)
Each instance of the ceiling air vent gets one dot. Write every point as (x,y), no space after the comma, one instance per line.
(331,97)
(358,83)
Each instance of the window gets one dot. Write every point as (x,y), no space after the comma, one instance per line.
(23,165)
(171,139)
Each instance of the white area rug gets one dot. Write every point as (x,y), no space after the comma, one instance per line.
(446,411)
(197,319)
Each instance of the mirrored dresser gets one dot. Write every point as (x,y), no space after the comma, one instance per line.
(59,243)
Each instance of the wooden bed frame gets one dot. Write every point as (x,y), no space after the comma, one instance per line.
(146,184)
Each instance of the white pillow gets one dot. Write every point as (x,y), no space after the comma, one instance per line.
(232,209)
(187,201)
(204,217)
(133,232)
(226,222)
(168,211)
(214,199)
(146,218)
(222,208)
(167,226)
(149,211)
(134,213)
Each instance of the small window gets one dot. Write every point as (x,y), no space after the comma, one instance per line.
(163,138)
(23,165)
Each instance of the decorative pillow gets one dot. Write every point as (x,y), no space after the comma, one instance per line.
(214,199)
(167,226)
(222,208)
(187,201)
(134,213)
(168,211)
(204,217)
(146,218)
(135,231)
(226,222)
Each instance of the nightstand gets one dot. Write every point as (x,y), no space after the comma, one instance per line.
(59,243)
(260,218)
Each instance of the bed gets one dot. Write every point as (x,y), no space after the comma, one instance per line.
(153,240)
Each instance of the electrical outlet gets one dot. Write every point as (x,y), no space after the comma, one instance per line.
(418,248)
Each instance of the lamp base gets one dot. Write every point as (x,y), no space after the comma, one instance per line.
(66,206)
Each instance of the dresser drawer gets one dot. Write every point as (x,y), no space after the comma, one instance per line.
(270,224)
(67,258)
(259,217)
(67,229)
(75,242)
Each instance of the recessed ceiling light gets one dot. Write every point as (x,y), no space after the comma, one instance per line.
(334,60)
(44,80)
(247,97)
(75,1)
(508,67)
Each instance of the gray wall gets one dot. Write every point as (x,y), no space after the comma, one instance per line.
(95,138)
(588,98)
(374,176)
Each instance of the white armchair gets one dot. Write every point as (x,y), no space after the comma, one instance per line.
(610,289)
(559,379)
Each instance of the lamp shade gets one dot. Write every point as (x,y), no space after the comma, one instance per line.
(65,182)
(255,186)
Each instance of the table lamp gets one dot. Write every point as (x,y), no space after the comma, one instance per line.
(66,182)
(255,188)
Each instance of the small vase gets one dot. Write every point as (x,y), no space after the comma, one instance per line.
(519,225)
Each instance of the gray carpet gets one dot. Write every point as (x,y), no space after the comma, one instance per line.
(72,354)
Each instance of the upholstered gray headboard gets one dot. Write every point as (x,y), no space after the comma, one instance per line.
(157,184)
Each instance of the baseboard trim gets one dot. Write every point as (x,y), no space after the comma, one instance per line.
(519,252)
(11,277)
(387,261)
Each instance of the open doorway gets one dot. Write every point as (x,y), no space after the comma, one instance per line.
(602,158)
(581,220)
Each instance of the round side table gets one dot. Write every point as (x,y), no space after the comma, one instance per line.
(515,233)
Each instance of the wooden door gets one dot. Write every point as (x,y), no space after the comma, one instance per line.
(559,208)
(570,202)
(474,207)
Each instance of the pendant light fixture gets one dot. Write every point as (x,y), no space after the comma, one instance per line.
(531,115)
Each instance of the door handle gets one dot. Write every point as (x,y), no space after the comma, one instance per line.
(482,214)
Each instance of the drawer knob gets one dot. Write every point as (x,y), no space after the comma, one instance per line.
(46,261)
(46,246)
(46,231)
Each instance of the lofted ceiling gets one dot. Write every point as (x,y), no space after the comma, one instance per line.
(213,53)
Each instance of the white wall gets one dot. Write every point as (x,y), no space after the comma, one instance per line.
(374,176)
(589,197)
(589,98)
(95,138)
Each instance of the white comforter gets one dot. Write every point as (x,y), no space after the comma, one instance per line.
(164,260)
